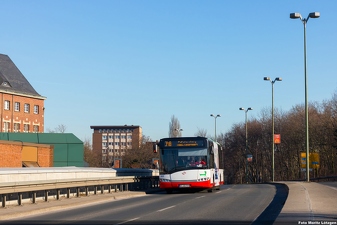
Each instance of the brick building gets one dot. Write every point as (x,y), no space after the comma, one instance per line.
(113,141)
(23,154)
(21,107)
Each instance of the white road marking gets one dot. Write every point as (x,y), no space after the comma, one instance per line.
(160,210)
(129,220)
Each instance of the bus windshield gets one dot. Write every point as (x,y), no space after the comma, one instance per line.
(176,159)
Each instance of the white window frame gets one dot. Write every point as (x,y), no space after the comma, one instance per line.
(16,127)
(7,105)
(6,127)
(36,109)
(27,108)
(26,128)
(17,106)
(36,128)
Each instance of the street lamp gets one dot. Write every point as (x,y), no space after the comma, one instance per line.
(178,130)
(215,124)
(246,111)
(272,118)
(304,21)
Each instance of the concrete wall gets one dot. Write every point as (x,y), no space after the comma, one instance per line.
(67,173)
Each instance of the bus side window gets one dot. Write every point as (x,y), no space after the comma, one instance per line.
(211,161)
(211,149)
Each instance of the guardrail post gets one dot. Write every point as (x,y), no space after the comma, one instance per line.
(57,194)
(115,187)
(109,188)
(126,187)
(102,189)
(77,192)
(46,195)
(34,197)
(19,198)
(4,200)
(68,192)
(121,187)
(95,190)
(86,191)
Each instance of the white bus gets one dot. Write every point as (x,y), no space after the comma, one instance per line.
(190,163)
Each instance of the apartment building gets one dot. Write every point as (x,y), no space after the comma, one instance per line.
(21,107)
(113,141)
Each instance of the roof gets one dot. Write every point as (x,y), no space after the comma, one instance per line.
(41,138)
(114,127)
(12,80)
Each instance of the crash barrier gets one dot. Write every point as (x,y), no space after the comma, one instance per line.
(324,179)
(31,184)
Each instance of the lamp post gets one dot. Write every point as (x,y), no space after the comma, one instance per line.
(178,130)
(246,150)
(215,124)
(304,21)
(272,118)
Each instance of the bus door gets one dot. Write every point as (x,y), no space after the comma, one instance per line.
(217,174)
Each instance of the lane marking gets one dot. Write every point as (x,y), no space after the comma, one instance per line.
(160,210)
(129,220)
(200,196)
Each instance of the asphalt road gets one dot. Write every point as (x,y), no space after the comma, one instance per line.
(233,204)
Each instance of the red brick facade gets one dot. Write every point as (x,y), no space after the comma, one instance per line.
(11,154)
(15,116)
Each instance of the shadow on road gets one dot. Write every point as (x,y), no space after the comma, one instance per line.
(269,215)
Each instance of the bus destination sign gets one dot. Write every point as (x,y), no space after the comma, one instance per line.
(184,143)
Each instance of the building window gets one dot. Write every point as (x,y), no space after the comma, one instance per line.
(6,126)
(7,105)
(36,109)
(27,106)
(26,128)
(104,137)
(16,127)
(36,128)
(17,106)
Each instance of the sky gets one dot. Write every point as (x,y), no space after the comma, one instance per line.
(109,62)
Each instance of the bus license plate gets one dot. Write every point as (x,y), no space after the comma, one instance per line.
(184,185)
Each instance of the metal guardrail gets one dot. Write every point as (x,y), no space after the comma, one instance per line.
(31,189)
(323,179)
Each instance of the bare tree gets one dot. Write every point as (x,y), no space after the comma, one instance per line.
(92,158)
(201,132)
(59,129)
(141,155)
(174,127)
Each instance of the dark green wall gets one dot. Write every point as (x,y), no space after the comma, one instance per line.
(68,149)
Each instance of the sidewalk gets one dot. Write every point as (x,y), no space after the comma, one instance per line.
(309,203)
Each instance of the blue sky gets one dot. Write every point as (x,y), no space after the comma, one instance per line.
(109,62)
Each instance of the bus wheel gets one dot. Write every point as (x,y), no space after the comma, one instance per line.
(169,191)
(210,190)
